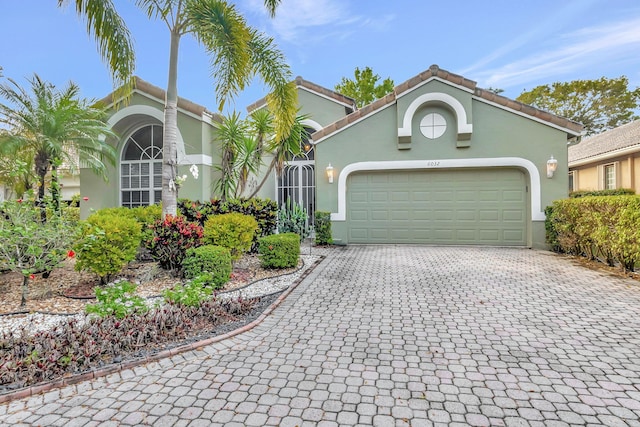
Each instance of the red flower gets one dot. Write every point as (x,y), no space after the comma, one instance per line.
(85,198)
(71,253)
(19,200)
(32,276)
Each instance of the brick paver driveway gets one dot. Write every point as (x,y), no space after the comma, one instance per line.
(387,335)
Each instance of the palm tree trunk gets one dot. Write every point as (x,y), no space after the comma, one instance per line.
(170,134)
(55,189)
(264,179)
(42,167)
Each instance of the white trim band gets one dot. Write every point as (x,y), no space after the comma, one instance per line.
(536,212)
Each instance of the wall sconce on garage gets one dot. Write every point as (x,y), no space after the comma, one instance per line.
(552,165)
(330,173)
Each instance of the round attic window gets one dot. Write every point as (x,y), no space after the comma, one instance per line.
(433,125)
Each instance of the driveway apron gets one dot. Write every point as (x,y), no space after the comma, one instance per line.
(396,336)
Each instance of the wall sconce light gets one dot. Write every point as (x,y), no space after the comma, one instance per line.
(552,165)
(330,173)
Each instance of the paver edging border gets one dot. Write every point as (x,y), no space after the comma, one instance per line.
(117,367)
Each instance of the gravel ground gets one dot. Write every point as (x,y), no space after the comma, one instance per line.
(37,321)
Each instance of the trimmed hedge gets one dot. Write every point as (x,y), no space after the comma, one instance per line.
(588,193)
(323,228)
(606,227)
(210,260)
(233,231)
(106,244)
(279,250)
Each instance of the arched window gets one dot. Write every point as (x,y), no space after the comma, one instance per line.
(141,168)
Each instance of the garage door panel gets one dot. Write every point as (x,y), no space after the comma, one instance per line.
(403,215)
(513,236)
(380,215)
(466,215)
(489,196)
(379,196)
(513,196)
(443,207)
(400,196)
(513,215)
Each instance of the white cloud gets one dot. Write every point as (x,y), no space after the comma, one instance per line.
(316,20)
(586,47)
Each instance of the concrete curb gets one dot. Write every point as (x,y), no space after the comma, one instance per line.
(118,367)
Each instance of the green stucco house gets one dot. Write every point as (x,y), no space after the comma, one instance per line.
(438,161)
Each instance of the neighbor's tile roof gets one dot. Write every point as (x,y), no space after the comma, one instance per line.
(622,137)
(300,82)
(159,93)
(435,71)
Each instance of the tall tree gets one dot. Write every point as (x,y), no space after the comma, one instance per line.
(54,126)
(364,87)
(599,105)
(237,51)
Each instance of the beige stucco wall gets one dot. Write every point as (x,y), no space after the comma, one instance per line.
(588,177)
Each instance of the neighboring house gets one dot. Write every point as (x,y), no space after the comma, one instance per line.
(439,161)
(608,160)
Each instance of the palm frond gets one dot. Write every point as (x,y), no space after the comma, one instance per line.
(270,64)
(112,37)
(223,32)
(271,6)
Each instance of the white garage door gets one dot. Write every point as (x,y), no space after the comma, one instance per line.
(469,206)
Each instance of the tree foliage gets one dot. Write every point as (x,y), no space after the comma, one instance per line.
(599,105)
(364,87)
(238,53)
(52,126)
(28,246)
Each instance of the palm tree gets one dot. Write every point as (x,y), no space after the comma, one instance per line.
(54,126)
(237,51)
(284,149)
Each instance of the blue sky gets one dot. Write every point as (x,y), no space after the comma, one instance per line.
(513,45)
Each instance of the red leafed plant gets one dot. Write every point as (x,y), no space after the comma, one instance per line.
(172,237)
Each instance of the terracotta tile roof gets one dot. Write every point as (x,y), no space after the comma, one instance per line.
(435,71)
(159,93)
(300,82)
(625,136)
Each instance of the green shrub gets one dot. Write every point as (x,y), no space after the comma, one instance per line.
(233,231)
(614,192)
(117,299)
(172,237)
(323,228)
(147,216)
(107,242)
(264,211)
(279,250)
(211,263)
(604,227)
(191,294)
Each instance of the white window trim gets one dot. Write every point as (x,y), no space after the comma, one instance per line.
(602,175)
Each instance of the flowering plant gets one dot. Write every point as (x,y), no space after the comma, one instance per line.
(117,299)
